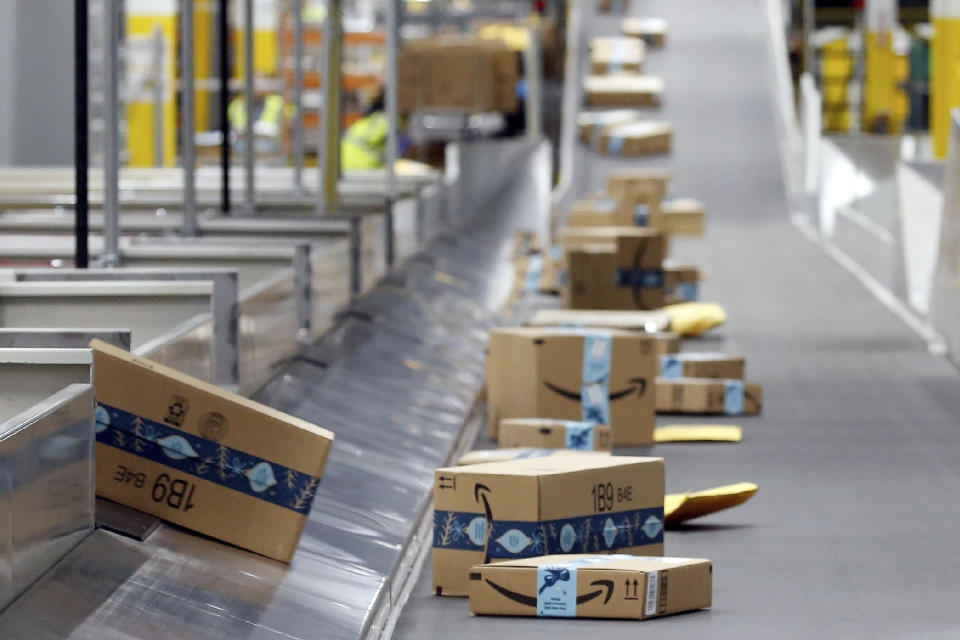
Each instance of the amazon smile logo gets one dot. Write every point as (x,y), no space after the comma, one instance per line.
(637,385)
(605,589)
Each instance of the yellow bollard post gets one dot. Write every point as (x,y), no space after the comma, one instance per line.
(880,81)
(144,19)
(944,70)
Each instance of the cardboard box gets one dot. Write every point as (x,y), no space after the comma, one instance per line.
(600,212)
(702,365)
(201,457)
(547,433)
(614,268)
(667,342)
(539,272)
(618,6)
(617,54)
(591,123)
(648,321)
(623,90)
(684,217)
(591,586)
(519,453)
(525,243)
(706,395)
(562,504)
(636,139)
(638,186)
(600,375)
(681,282)
(457,72)
(653,31)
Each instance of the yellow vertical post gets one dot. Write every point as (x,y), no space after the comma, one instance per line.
(203,14)
(144,19)
(944,70)
(266,39)
(836,68)
(880,79)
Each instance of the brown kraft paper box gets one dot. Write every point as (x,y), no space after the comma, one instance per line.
(588,586)
(684,217)
(201,457)
(681,282)
(636,139)
(708,395)
(584,503)
(616,54)
(546,433)
(597,375)
(614,268)
(703,365)
(623,90)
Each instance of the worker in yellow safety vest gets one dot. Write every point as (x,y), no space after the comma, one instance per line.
(364,144)
(269,111)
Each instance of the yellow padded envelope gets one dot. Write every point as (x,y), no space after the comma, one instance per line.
(680,507)
(695,318)
(698,433)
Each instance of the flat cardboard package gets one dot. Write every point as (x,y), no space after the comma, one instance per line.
(636,139)
(457,72)
(619,6)
(547,433)
(652,31)
(201,457)
(681,282)
(616,54)
(623,90)
(481,456)
(584,503)
(539,272)
(600,212)
(630,187)
(702,365)
(590,586)
(614,268)
(708,395)
(684,217)
(591,123)
(599,375)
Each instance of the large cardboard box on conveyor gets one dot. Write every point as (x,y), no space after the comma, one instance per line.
(592,586)
(539,272)
(614,268)
(599,375)
(457,72)
(638,186)
(592,123)
(201,457)
(652,31)
(600,212)
(613,55)
(704,395)
(623,90)
(653,323)
(683,217)
(502,511)
(549,433)
(636,138)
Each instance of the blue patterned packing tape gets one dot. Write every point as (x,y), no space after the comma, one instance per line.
(640,278)
(594,394)
(733,393)
(557,584)
(687,291)
(531,283)
(671,366)
(615,145)
(206,459)
(579,436)
(641,215)
(516,539)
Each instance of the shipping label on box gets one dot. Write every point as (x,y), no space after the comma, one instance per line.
(703,395)
(201,457)
(595,375)
(702,365)
(524,508)
(619,586)
(554,434)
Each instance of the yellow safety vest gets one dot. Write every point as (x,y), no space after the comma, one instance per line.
(364,143)
(273,109)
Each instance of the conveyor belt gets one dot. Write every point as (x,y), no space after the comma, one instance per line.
(852,533)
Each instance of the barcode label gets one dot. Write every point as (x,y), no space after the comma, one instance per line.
(653,581)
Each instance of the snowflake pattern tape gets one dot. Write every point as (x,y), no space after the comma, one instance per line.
(206,459)
(521,539)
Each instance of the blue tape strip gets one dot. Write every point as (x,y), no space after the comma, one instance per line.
(202,458)
(594,394)
(615,145)
(733,397)
(671,366)
(531,283)
(687,291)
(523,539)
(641,215)
(557,585)
(640,278)
(579,436)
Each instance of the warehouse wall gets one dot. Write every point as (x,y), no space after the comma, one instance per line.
(36,114)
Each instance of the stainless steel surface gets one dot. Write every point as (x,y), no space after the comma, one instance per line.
(61,338)
(249,203)
(30,375)
(533,77)
(188,127)
(575,52)
(945,300)
(111,162)
(46,486)
(297,9)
